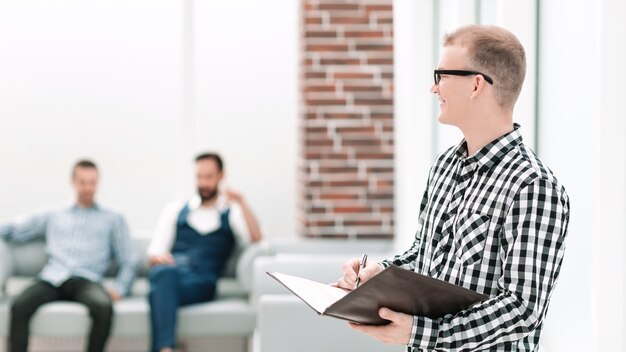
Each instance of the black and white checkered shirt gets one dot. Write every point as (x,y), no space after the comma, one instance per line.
(494,223)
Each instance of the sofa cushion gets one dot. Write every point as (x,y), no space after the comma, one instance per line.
(226,287)
(229,314)
(224,317)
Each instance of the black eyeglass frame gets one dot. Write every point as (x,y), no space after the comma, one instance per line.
(438,73)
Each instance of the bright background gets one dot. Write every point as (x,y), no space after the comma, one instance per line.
(141,86)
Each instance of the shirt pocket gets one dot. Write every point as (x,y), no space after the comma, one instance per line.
(470,236)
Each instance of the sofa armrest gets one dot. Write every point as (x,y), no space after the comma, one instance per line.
(244,269)
(287,324)
(6,266)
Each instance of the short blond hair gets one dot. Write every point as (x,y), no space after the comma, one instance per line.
(496,52)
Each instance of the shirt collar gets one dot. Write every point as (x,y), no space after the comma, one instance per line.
(195,202)
(493,152)
(95,206)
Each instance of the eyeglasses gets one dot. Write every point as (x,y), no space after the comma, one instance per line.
(438,74)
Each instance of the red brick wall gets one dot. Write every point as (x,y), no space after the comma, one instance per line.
(346,171)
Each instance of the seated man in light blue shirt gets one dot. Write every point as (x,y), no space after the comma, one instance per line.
(80,243)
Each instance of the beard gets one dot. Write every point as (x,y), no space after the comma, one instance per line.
(207,194)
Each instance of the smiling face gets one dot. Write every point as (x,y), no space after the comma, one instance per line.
(454,92)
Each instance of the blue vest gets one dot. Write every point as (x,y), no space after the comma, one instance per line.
(204,254)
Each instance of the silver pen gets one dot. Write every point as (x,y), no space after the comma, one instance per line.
(361,267)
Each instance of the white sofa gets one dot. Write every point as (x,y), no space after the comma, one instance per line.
(285,323)
(230,315)
(252,312)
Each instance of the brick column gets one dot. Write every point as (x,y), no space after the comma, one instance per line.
(346,170)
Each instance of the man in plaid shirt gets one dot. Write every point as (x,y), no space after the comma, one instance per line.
(493,218)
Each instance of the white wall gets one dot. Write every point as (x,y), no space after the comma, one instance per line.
(563,128)
(414,110)
(582,113)
(245,100)
(107,80)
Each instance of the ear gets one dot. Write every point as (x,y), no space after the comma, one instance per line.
(479,85)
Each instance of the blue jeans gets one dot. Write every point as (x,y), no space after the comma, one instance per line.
(172,287)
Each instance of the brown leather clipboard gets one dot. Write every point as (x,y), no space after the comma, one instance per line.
(402,291)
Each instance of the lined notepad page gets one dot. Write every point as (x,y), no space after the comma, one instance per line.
(319,296)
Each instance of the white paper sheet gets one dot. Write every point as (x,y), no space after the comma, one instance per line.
(319,296)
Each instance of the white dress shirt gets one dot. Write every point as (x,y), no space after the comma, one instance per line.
(205,220)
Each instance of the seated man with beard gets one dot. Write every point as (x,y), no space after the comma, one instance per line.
(190,247)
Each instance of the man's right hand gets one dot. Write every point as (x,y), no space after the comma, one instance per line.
(161,259)
(350,269)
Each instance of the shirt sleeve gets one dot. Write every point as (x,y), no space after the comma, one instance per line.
(532,252)
(238,223)
(26,228)
(163,237)
(126,254)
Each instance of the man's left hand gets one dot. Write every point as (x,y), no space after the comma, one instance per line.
(233,195)
(114,295)
(397,332)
